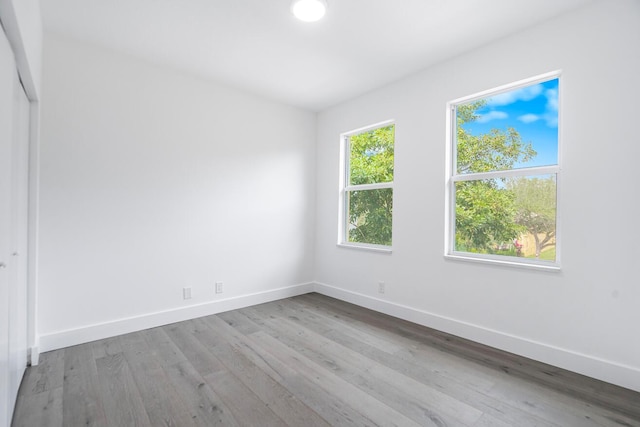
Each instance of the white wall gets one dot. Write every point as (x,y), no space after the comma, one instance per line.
(584,318)
(23,25)
(153,180)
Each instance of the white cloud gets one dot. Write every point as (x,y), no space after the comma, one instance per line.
(551,113)
(552,99)
(523,94)
(552,120)
(529,118)
(492,115)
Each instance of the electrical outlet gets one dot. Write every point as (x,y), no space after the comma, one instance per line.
(218,287)
(186,293)
(381,287)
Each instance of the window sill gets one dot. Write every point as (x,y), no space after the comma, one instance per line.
(365,247)
(553,267)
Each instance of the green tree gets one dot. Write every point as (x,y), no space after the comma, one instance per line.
(535,200)
(485,209)
(493,151)
(484,216)
(371,162)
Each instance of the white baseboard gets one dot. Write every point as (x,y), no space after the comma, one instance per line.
(33,355)
(94,332)
(605,370)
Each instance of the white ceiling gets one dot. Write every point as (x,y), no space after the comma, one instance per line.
(257,45)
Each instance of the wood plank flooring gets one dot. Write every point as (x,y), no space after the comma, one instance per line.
(308,361)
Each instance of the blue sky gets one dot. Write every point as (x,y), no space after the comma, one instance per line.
(532,111)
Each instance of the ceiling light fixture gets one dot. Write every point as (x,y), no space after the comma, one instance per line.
(309,10)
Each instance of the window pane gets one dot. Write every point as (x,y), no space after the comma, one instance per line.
(369,216)
(507,216)
(511,130)
(371,156)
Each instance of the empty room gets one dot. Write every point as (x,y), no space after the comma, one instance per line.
(319,213)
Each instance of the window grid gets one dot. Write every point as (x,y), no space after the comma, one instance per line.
(454,176)
(347,189)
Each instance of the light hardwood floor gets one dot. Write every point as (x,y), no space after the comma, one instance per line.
(308,361)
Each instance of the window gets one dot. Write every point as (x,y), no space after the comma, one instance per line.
(503,174)
(366,207)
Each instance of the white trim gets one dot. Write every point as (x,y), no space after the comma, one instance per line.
(366,247)
(595,367)
(342,183)
(84,334)
(602,369)
(503,260)
(33,355)
(33,230)
(559,198)
(449,200)
(12,31)
(452,176)
(507,87)
(362,187)
(511,173)
(345,187)
(368,128)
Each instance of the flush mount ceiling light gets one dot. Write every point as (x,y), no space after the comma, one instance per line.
(309,10)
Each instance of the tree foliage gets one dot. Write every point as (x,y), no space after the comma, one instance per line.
(484,216)
(371,156)
(493,151)
(485,209)
(536,208)
(370,210)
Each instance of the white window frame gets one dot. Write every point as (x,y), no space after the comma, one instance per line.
(452,177)
(345,188)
